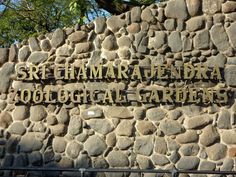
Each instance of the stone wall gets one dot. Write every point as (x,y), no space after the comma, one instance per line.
(188,136)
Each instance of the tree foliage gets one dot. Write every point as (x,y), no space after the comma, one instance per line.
(20,19)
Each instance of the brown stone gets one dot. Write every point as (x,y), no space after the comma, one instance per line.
(229,6)
(232,152)
(133,28)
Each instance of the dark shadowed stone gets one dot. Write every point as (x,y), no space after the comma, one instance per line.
(187,137)
(176,9)
(59,144)
(193,6)
(91,113)
(83,47)
(63,116)
(109,43)
(17,128)
(202,40)
(189,149)
(35,158)
(38,57)
(29,142)
(195,23)
(100,162)
(171,127)
(34,45)
(66,162)
(6,71)
(73,149)
(224,120)
(160,145)
(144,145)
(78,36)
(211,6)
(117,159)
(13,53)
(75,125)
(228,137)
(46,45)
(8,160)
(146,127)
(220,41)
(125,128)
(217,151)
(124,143)
(115,23)
(219,59)
(119,112)
(95,145)
(5,119)
(24,53)
(160,160)
(3,55)
(188,163)
(230,73)
(209,136)
(20,160)
(58,38)
(232,34)
(135,14)
(101,126)
(207,165)
(37,113)
(175,42)
(100,24)
(83,161)
(155,114)
(198,121)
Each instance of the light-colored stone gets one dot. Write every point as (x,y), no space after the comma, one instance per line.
(59,144)
(144,145)
(77,36)
(189,149)
(58,38)
(188,163)
(5,119)
(115,23)
(146,127)
(91,113)
(230,72)
(17,128)
(198,121)
(211,6)
(171,127)
(160,145)
(187,137)
(220,41)
(109,43)
(193,6)
(175,42)
(75,125)
(160,160)
(158,41)
(124,143)
(219,59)
(224,120)
(231,33)
(209,136)
(136,14)
(100,126)
(117,159)
(155,114)
(73,149)
(125,128)
(100,24)
(38,57)
(118,112)
(195,23)
(228,137)
(34,45)
(95,145)
(144,162)
(176,9)
(6,72)
(20,112)
(37,113)
(216,151)
(229,6)
(207,165)
(83,47)
(3,55)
